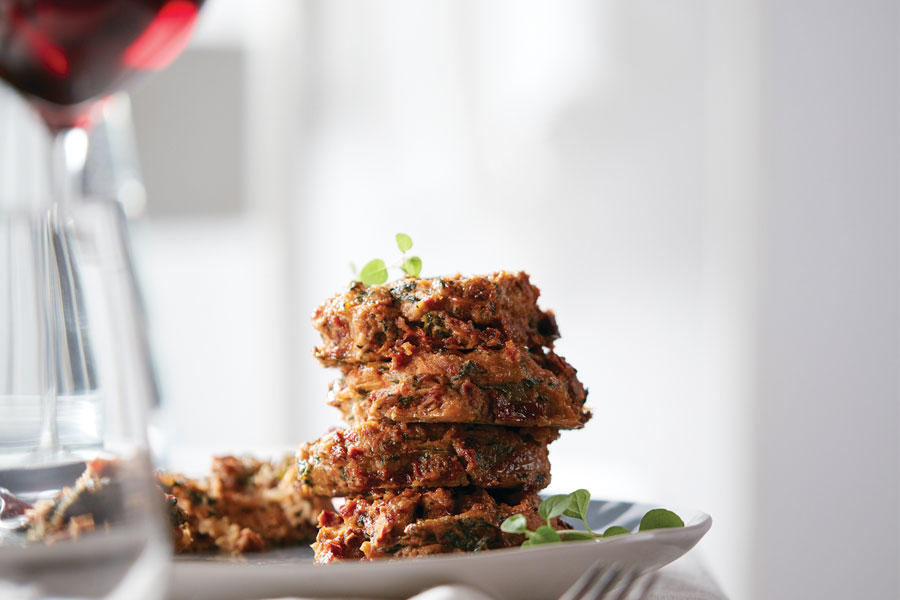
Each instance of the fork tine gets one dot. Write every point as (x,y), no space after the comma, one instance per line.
(629,579)
(613,583)
(606,583)
(649,582)
(576,590)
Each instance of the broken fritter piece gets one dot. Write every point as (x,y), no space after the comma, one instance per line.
(245,505)
(95,498)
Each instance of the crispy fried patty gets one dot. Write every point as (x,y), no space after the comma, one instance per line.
(373,456)
(509,386)
(421,522)
(366,324)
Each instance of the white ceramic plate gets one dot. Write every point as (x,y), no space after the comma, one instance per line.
(516,573)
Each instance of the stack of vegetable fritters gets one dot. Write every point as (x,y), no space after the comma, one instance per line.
(452,393)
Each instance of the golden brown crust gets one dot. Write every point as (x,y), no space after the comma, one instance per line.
(245,505)
(372,456)
(508,386)
(422,522)
(454,313)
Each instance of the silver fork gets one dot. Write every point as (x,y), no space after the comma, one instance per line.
(612,583)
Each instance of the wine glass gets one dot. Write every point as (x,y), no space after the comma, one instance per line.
(74,387)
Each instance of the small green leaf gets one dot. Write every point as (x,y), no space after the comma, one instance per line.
(571,535)
(554,506)
(412,266)
(374,272)
(514,524)
(615,530)
(404,242)
(578,506)
(660,518)
(545,535)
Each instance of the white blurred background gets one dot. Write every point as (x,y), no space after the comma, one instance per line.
(705,192)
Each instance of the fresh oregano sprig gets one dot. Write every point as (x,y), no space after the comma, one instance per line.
(575,505)
(376,271)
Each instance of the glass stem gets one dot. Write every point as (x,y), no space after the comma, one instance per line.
(60,330)
(68,156)
(48,333)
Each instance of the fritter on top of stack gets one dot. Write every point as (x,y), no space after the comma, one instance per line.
(452,393)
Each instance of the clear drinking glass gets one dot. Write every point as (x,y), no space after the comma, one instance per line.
(74,388)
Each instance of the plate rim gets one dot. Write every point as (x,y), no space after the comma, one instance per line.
(697,523)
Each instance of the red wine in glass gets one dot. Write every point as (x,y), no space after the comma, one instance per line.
(64,55)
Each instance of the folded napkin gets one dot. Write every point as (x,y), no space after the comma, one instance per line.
(14,591)
(451,592)
(441,592)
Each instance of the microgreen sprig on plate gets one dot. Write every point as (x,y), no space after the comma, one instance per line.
(575,505)
(376,271)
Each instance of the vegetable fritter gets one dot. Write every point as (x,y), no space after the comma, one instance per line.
(509,386)
(376,323)
(374,456)
(415,522)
